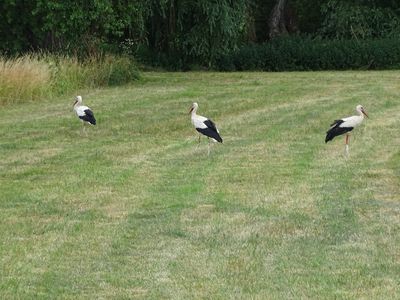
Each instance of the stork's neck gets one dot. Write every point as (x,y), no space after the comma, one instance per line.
(77,104)
(360,114)
(194,114)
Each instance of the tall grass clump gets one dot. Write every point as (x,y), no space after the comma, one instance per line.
(110,70)
(23,78)
(31,77)
(70,74)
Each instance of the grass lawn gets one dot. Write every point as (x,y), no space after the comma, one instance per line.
(137,210)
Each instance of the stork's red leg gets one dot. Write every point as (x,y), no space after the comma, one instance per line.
(347,145)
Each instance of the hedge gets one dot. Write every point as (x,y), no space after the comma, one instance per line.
(305,54)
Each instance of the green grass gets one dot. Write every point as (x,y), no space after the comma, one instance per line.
(136,210)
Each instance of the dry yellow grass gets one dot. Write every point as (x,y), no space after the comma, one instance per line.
(23,78)
(36,77)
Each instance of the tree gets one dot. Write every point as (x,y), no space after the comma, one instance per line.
(357,20)
(277,20)
(282,19)
(197,31)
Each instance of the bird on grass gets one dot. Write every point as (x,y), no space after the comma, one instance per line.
(345,125)
(204,126)
(83,112)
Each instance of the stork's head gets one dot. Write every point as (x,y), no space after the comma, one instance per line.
(194,107)
(360,109)
(78,99)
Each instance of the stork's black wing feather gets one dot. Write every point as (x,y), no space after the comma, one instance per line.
(210,124)
(88,117)
(337,122)
(336,130)
(211,130)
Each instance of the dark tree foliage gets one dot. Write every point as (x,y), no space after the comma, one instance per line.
(69,25)
(18,28)
(200,30)
(348,18)
(359,19)
(185,32)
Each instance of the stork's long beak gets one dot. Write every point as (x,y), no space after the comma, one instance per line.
(191,109)
(364,112)
(76,101)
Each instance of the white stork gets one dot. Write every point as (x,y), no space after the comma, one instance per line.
(204,126)
(83,112)
(346,125)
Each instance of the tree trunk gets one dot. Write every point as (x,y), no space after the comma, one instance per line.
(291,21)
(277,19)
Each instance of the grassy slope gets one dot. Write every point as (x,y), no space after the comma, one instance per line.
(136,210)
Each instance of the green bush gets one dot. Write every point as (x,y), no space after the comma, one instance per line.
(297,53)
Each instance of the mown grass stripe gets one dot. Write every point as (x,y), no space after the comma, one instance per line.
(136,210)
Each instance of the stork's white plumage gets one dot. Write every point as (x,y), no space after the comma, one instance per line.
(345,125)
(83,112)
(204,126)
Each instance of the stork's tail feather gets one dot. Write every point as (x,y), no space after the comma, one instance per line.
(216,137)
(219,138)
(329,137)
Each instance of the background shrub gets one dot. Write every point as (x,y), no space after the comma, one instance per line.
(297,53)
